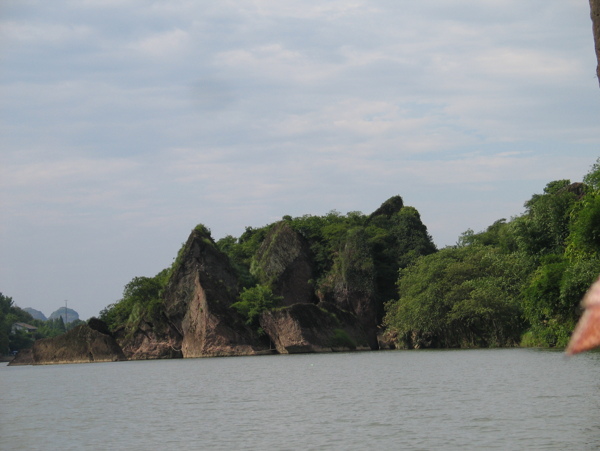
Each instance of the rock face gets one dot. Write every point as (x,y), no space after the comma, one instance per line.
(83,344)
(302,328)
(595,14)
(577,188)
(284,263)
(149,343)
(391,206)
(351,284)
(333,274)
(198,303)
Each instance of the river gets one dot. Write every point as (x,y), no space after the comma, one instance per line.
(506,399)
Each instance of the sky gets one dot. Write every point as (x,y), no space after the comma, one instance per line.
(125,123)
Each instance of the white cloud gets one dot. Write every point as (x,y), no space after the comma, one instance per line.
(274,62)
(133,120)
(24,33)
(165,45)
(40,173)
(537,66)
(296,9)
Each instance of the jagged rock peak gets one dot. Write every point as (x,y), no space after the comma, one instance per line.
(198,300)
(391,206)
(577,188)
(200,257)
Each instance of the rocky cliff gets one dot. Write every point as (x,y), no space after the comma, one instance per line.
(365,261)
(197,303)
(302,328)
(84,344)
(333,274)
(351,284)
(150,341)
(203,286)
(283,262)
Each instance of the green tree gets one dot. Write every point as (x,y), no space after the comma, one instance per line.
(500,234)
(6,304)
(20,339)
(544,228)
(240,252)
(253,301)
(50,328)
(13,340)
(592,178)
(459,297)
(584,237)
(551,300)
(397,237)
(142,300)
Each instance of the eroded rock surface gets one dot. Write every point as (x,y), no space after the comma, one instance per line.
(198,303)
(302,328)
(284,263)
(83,344)
(351,284)
(149,343)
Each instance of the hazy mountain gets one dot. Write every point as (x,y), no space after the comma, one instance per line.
(35,313)
(67,314)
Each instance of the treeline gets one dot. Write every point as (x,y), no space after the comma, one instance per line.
(518,282)
(12,339)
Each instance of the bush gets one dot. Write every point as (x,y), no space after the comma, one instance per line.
(253,301)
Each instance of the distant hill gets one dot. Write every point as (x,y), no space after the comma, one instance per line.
(68,315)
(35,313)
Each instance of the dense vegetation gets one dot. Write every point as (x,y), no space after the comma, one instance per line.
(394,233)
(518,281)
(253,301)
(392,237)
(14,340)
(142,301)
(363,250)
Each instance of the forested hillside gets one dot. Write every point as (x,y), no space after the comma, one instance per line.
(519,281)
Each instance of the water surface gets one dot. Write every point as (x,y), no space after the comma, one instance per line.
(413,400)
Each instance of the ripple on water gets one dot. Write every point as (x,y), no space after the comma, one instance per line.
(492,399)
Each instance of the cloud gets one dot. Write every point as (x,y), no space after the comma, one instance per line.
(72,170)
(274,62)
(164,46)
(125,123)
(20,33)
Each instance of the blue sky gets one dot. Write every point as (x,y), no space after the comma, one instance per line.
(124,123)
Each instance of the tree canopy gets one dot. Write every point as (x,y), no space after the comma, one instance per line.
(517,281)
